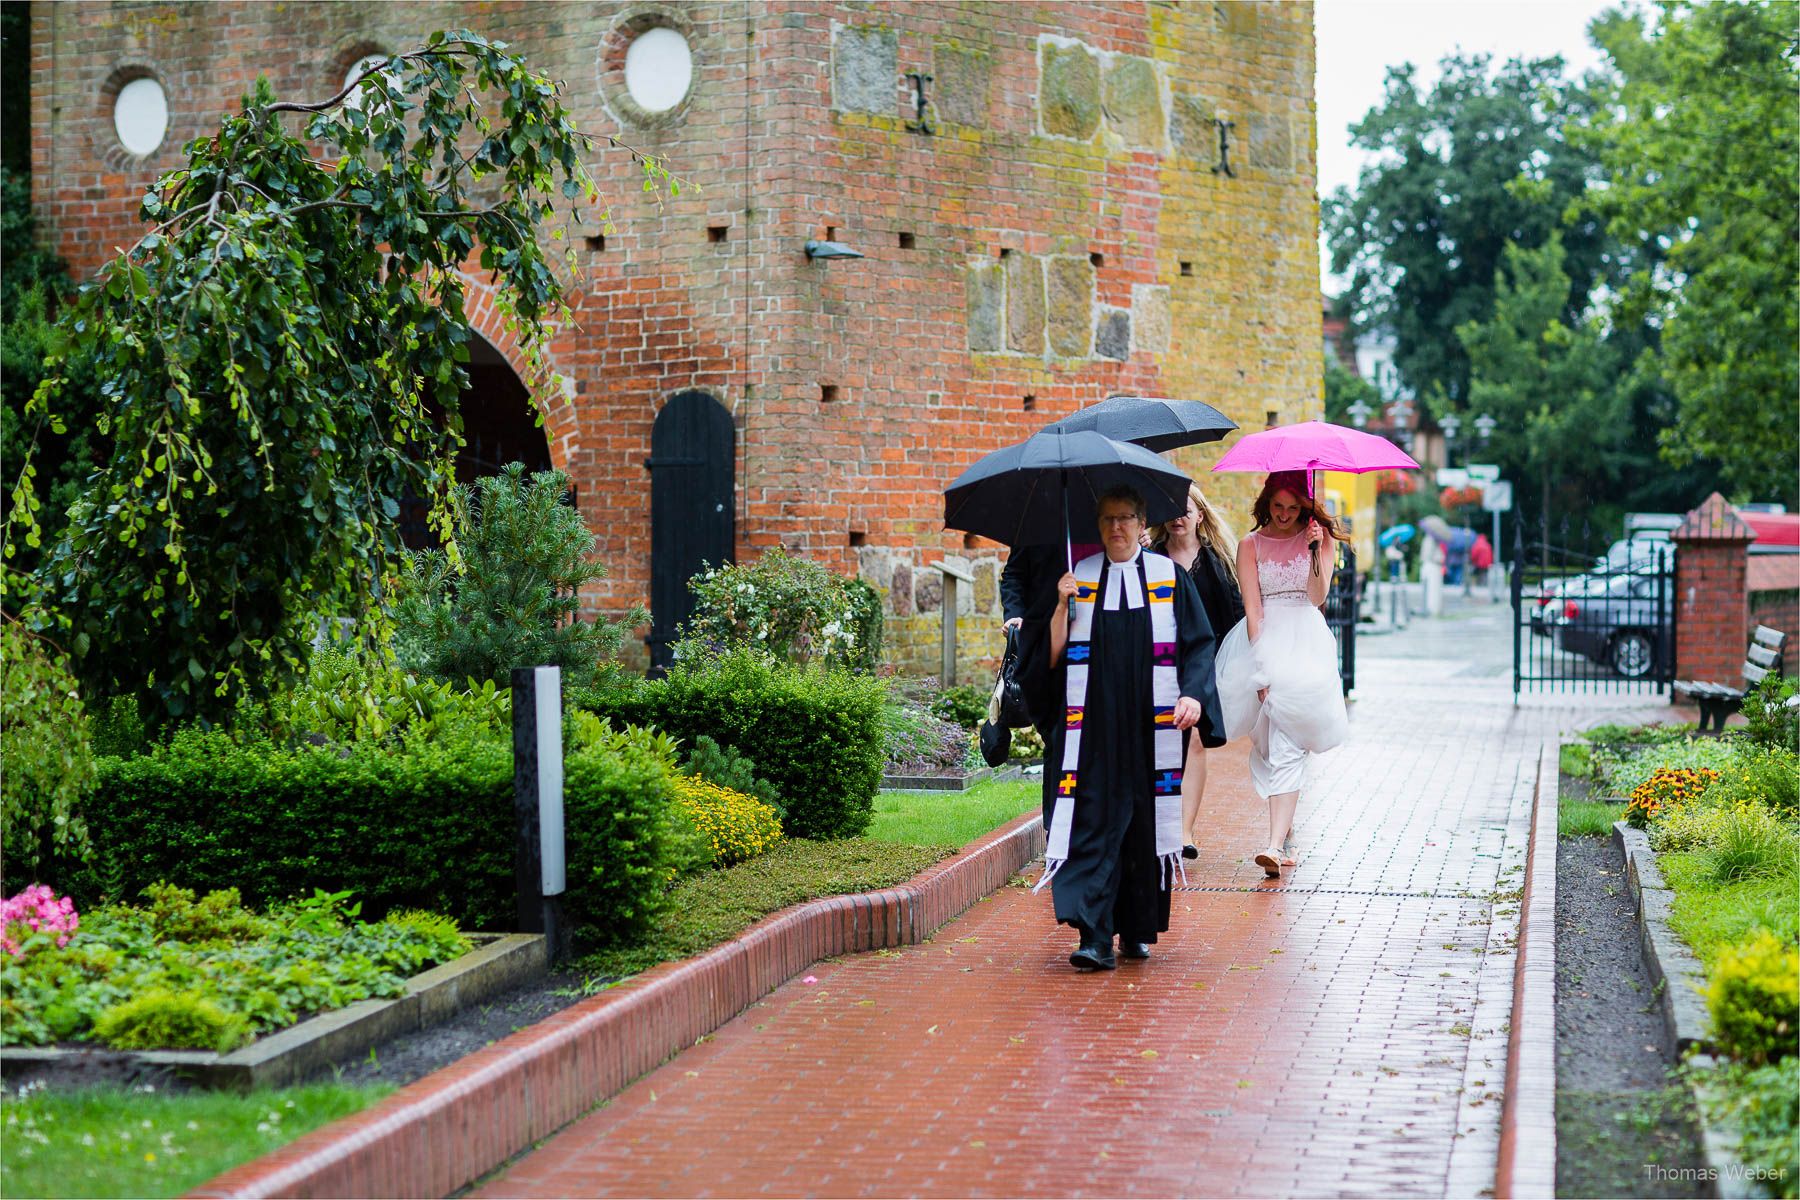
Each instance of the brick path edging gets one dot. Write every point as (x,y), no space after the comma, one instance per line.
(1527,1165)
(452,1127)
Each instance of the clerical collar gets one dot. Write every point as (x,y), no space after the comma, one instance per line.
(1124,580)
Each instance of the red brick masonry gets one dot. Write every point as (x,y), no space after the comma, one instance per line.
(451,1127)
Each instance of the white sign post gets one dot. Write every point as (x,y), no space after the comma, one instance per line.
(539,870)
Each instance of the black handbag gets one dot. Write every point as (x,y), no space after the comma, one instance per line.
(996,743)
(1007,706)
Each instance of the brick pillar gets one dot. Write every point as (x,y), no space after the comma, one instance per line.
(1712,605)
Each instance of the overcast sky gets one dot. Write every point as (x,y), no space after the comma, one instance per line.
(1360,39)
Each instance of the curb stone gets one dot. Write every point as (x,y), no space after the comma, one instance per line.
(1671,964)
(1527,1159)
(1680,976)
(443,1132)
(286,1055)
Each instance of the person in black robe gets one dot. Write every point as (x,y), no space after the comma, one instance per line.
(1113,883)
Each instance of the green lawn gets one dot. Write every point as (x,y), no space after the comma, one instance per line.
(951,818)
(1711,915)
(104,1142)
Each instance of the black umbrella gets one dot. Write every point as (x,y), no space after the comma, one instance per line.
(1047,487)
(1150,422)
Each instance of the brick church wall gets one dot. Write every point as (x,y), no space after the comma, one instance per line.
(1063,234)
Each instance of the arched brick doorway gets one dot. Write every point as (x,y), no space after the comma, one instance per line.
(500,426)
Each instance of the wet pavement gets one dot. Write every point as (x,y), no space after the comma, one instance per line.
(1341,1031)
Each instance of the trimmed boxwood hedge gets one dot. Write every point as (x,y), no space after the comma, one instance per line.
(814,732)
(426,826)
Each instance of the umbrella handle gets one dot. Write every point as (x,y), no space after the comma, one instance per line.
(1068,532)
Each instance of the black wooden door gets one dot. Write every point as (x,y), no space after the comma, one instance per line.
(692,520)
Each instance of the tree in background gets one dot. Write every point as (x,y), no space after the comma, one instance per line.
(268,355)
(1698,140)
(1558,390)
(1427,225)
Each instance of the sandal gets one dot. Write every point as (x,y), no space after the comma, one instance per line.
(1270,863)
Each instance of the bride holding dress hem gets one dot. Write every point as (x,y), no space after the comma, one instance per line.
(1277,669)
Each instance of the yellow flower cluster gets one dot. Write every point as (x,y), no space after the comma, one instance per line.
(735,825)
(1666,787)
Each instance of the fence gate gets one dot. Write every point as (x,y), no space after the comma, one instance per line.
(1340,616)
(693,474)
(1587,624)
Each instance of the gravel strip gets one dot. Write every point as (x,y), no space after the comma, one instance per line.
(1618,1113)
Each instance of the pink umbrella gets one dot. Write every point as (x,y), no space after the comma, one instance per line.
(1314,446)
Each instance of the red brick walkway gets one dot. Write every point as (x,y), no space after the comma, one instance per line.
(1342,1032)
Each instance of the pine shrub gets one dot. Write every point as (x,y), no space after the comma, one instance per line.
(515,600)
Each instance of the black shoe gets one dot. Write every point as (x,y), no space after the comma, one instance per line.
(1190,852)
(1093,957)
(1134,949)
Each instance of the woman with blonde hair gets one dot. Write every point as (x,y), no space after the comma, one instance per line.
(1277,669)
(1203,545)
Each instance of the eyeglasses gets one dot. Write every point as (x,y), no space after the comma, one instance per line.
(1127,519)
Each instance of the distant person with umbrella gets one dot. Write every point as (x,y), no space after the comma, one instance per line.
(1277,670)
(1128,667)
(1201,543)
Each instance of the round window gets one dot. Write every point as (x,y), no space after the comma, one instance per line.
(141,116)
(659,67)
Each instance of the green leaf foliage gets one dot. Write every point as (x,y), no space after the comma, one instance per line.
(271,354)
(46,759)
(815,733)
(514,600)
(1701,150)
(416,824)
(208,973)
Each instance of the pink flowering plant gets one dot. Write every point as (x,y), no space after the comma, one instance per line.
(36,918)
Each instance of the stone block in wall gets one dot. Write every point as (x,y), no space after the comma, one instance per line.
(960,80)
(1069,306)
(1131,98)
(876,564)
(985,299)
(1112,334)
(1068,89)
(865,69)
(1235,19)
(900,590)
(1150,317)
(1025,305)
(1271,143)
(1191,129)
(928,591)
(987,586)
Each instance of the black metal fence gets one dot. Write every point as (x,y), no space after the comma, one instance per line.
(1593,623)
(1340,616)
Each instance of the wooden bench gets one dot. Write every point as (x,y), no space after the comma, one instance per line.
(1717,701)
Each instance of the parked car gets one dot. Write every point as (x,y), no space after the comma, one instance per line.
(1552,595)
(1616,620)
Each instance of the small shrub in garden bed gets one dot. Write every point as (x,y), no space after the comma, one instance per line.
(420,825)
(813,732)
(1754,999)
(206,974)
(736,826)
(726,767)
(1769,721)
(1622,774)
(964,704)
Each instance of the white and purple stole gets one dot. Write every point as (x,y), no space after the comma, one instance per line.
(1148,573)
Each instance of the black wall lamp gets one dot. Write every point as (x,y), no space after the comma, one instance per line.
(817,249)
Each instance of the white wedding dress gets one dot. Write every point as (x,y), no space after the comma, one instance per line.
(1295,657)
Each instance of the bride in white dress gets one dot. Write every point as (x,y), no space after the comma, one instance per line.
(1277,669)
